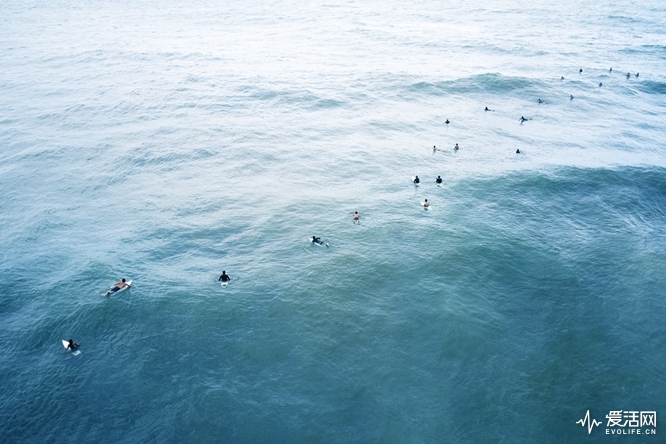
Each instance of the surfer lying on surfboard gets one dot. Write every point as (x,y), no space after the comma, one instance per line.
(71,345)
(117,286)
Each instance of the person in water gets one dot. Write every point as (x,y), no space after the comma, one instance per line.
(316,240)
(523,119)
(224,277)
(571,98)
(117,286)
(628,75)
(636,75)
(416,179)
(487,109)
(357,217)
(610,70)
(72,345)
(434,149)
(561,78)
(580,71)
(540,101)
(518,151)
(426,203)
(456,148)
(447,121)
(600,83)
(438,180)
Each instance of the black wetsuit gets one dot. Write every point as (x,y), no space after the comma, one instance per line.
(438,180)
(224,278)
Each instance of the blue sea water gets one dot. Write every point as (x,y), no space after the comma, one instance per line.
(167,141)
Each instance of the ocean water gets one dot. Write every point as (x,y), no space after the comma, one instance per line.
(167,141)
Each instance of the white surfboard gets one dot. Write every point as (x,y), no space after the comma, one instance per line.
(66,345)
(224,284)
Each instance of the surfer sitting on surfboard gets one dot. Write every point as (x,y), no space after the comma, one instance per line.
(438,180)
(117,286)
(416,179)
(224,277)
(357,217)
(72,345)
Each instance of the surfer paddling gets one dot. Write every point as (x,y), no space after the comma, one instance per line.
(117,286)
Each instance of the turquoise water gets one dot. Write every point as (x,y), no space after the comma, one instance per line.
(166,144)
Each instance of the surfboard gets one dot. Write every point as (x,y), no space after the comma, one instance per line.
(320,243)
(224,284)
(66,344)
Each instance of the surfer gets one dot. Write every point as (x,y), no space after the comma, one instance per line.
(316,240)
(224,277)
(426,203)
(522,119)
(72,345)
(571,98)
(540,101)
(357,217)
(561,78)
(438,180)
(580,71)
(487,109)
(610,70)
(600,83)
(456,148)
(117,286)
(416,179)
(518,151)
(636,75)
(447,121)
(628,75)
(434,149)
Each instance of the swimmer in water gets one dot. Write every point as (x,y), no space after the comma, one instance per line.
(438,180)
(357,217)
(426,203)
(456,148)
(416,179)
(447,121)
(434,149)
(580,71)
